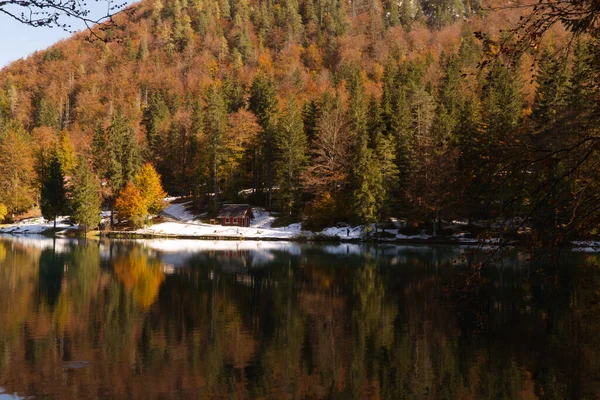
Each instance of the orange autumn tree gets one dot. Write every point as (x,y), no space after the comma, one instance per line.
(147,180)
(131,205)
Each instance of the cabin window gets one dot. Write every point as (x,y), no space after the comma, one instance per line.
(235,221)
(226,221)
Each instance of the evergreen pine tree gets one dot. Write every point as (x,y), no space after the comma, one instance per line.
(469,144)
(369,192)
(581,83)
(365,178)
(311,113)
(263,103)
(156,120)
(53,193)
(394,13)
(291,158)
(215,125)
(85,201)
(123,153)
(551,93)
(375,123)
(46,114)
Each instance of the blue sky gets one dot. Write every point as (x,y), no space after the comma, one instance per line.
(19,41)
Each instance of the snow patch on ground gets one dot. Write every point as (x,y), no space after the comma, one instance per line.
(262,218)
(197,229)
(179,212)
(344,232)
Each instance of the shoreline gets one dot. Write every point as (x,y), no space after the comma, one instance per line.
(191,230)
(586,246)
(302,237)
(314,238)
(296,239)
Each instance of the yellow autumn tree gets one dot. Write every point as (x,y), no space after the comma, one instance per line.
(148,183)
(3,212)
(66,154)
(130,205)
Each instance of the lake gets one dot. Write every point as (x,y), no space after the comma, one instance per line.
(178,319)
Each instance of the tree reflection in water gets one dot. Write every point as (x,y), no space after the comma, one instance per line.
(245,320)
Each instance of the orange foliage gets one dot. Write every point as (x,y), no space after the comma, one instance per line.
(131,206)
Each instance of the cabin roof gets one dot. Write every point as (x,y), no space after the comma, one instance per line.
(233,210)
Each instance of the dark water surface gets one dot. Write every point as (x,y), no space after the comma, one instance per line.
(193,319)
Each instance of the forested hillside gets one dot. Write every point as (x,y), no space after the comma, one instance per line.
(325,109)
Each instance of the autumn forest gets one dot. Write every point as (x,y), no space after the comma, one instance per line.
(322,110)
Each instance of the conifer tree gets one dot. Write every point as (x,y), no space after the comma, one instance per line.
(263,103)
(369,192)
(406,14)
(366,179)
(581,82)
(100,150)
(357,122)
(375,123)
(123,151)
(293,20)
(394,13)
(156,120)
(469,51)
(502,104)
(551,93)
(401,130)
(85,202)
(469,172)
(53,192)
(46,114)
(291,158)
(385,151)
(215,125)
(123,155)
(388,96)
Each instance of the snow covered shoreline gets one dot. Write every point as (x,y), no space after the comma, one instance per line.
(178,222)
(260,230)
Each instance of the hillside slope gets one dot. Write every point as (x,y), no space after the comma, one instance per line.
(329,109)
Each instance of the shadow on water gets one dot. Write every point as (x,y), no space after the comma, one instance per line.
(178,319)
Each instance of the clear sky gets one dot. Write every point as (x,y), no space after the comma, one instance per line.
(18,40)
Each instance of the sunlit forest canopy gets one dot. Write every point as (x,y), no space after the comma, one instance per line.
(330,110)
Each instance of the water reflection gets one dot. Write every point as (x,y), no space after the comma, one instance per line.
(182,319)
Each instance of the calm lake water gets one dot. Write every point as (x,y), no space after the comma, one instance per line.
(193,319)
